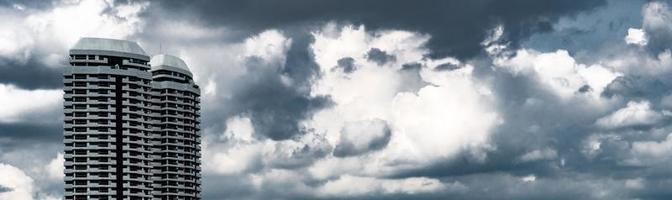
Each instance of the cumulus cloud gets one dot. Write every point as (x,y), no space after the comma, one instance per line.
(361,137)
(655,22)
(239,150)
(559,72)
(633,114)
(653,148)
(23,105)
(529,178)
(234,158)
(636,36)
(423,126)
(27,52)
(270,46)
(357,186)
(378,56)
(18,184)
(539,154)
(55,168)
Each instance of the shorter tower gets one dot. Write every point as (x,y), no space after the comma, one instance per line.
(177,139)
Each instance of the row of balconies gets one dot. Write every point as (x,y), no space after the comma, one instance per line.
(86,82)
(177,93)
(89,59)
(146,195)
(141,147)
(176,183)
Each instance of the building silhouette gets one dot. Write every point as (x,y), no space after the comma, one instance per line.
(131,126)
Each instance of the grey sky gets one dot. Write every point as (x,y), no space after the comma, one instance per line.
(484,99)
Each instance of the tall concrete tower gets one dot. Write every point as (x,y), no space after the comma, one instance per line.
(177,142)
(121,133)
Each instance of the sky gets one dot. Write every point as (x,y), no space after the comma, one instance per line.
(317,99)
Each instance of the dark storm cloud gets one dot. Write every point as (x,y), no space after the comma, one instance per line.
(226,187)
(456,27)
(4,189)
(31,74)
(585,89)
(346,147)
(274,107)
(379,56)
(347,64)
(33,4)
(590,32)
(31,131)
(659,34)
(411,66)
(637,86)
(447,67)
(19,137)
(411,77)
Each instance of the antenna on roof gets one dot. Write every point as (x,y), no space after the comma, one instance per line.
(160,48)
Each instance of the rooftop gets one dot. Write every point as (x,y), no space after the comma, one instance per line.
(112,45)
(169,61)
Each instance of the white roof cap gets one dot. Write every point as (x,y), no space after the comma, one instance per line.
(164,61)
(106,46)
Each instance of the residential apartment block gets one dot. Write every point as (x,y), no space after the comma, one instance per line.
(131,126)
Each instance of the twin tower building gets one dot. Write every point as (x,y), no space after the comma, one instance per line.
(131,124)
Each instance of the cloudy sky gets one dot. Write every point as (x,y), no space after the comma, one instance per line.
(316,99)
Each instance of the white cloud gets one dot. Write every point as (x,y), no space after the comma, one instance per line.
(558,71)
(234,160)
(55,168)
(355,186)
(529,178)
(185,30)
(14,41)
(653,148)
(239,128)
(636,36)
(635,113)
(430,128)
(358,137)
(65,23)
(539,154)
(656,18)
(70,20)
(640,63)
(238,150)
(19,104)
(636,183)
(17,181)
(492,42)
(269,45)
(282,181)
(424,123)
(218,67)
(239,154)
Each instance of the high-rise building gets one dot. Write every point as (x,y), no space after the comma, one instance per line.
(131,130)
(176,142)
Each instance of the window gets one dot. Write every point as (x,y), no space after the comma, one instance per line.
(80,129)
